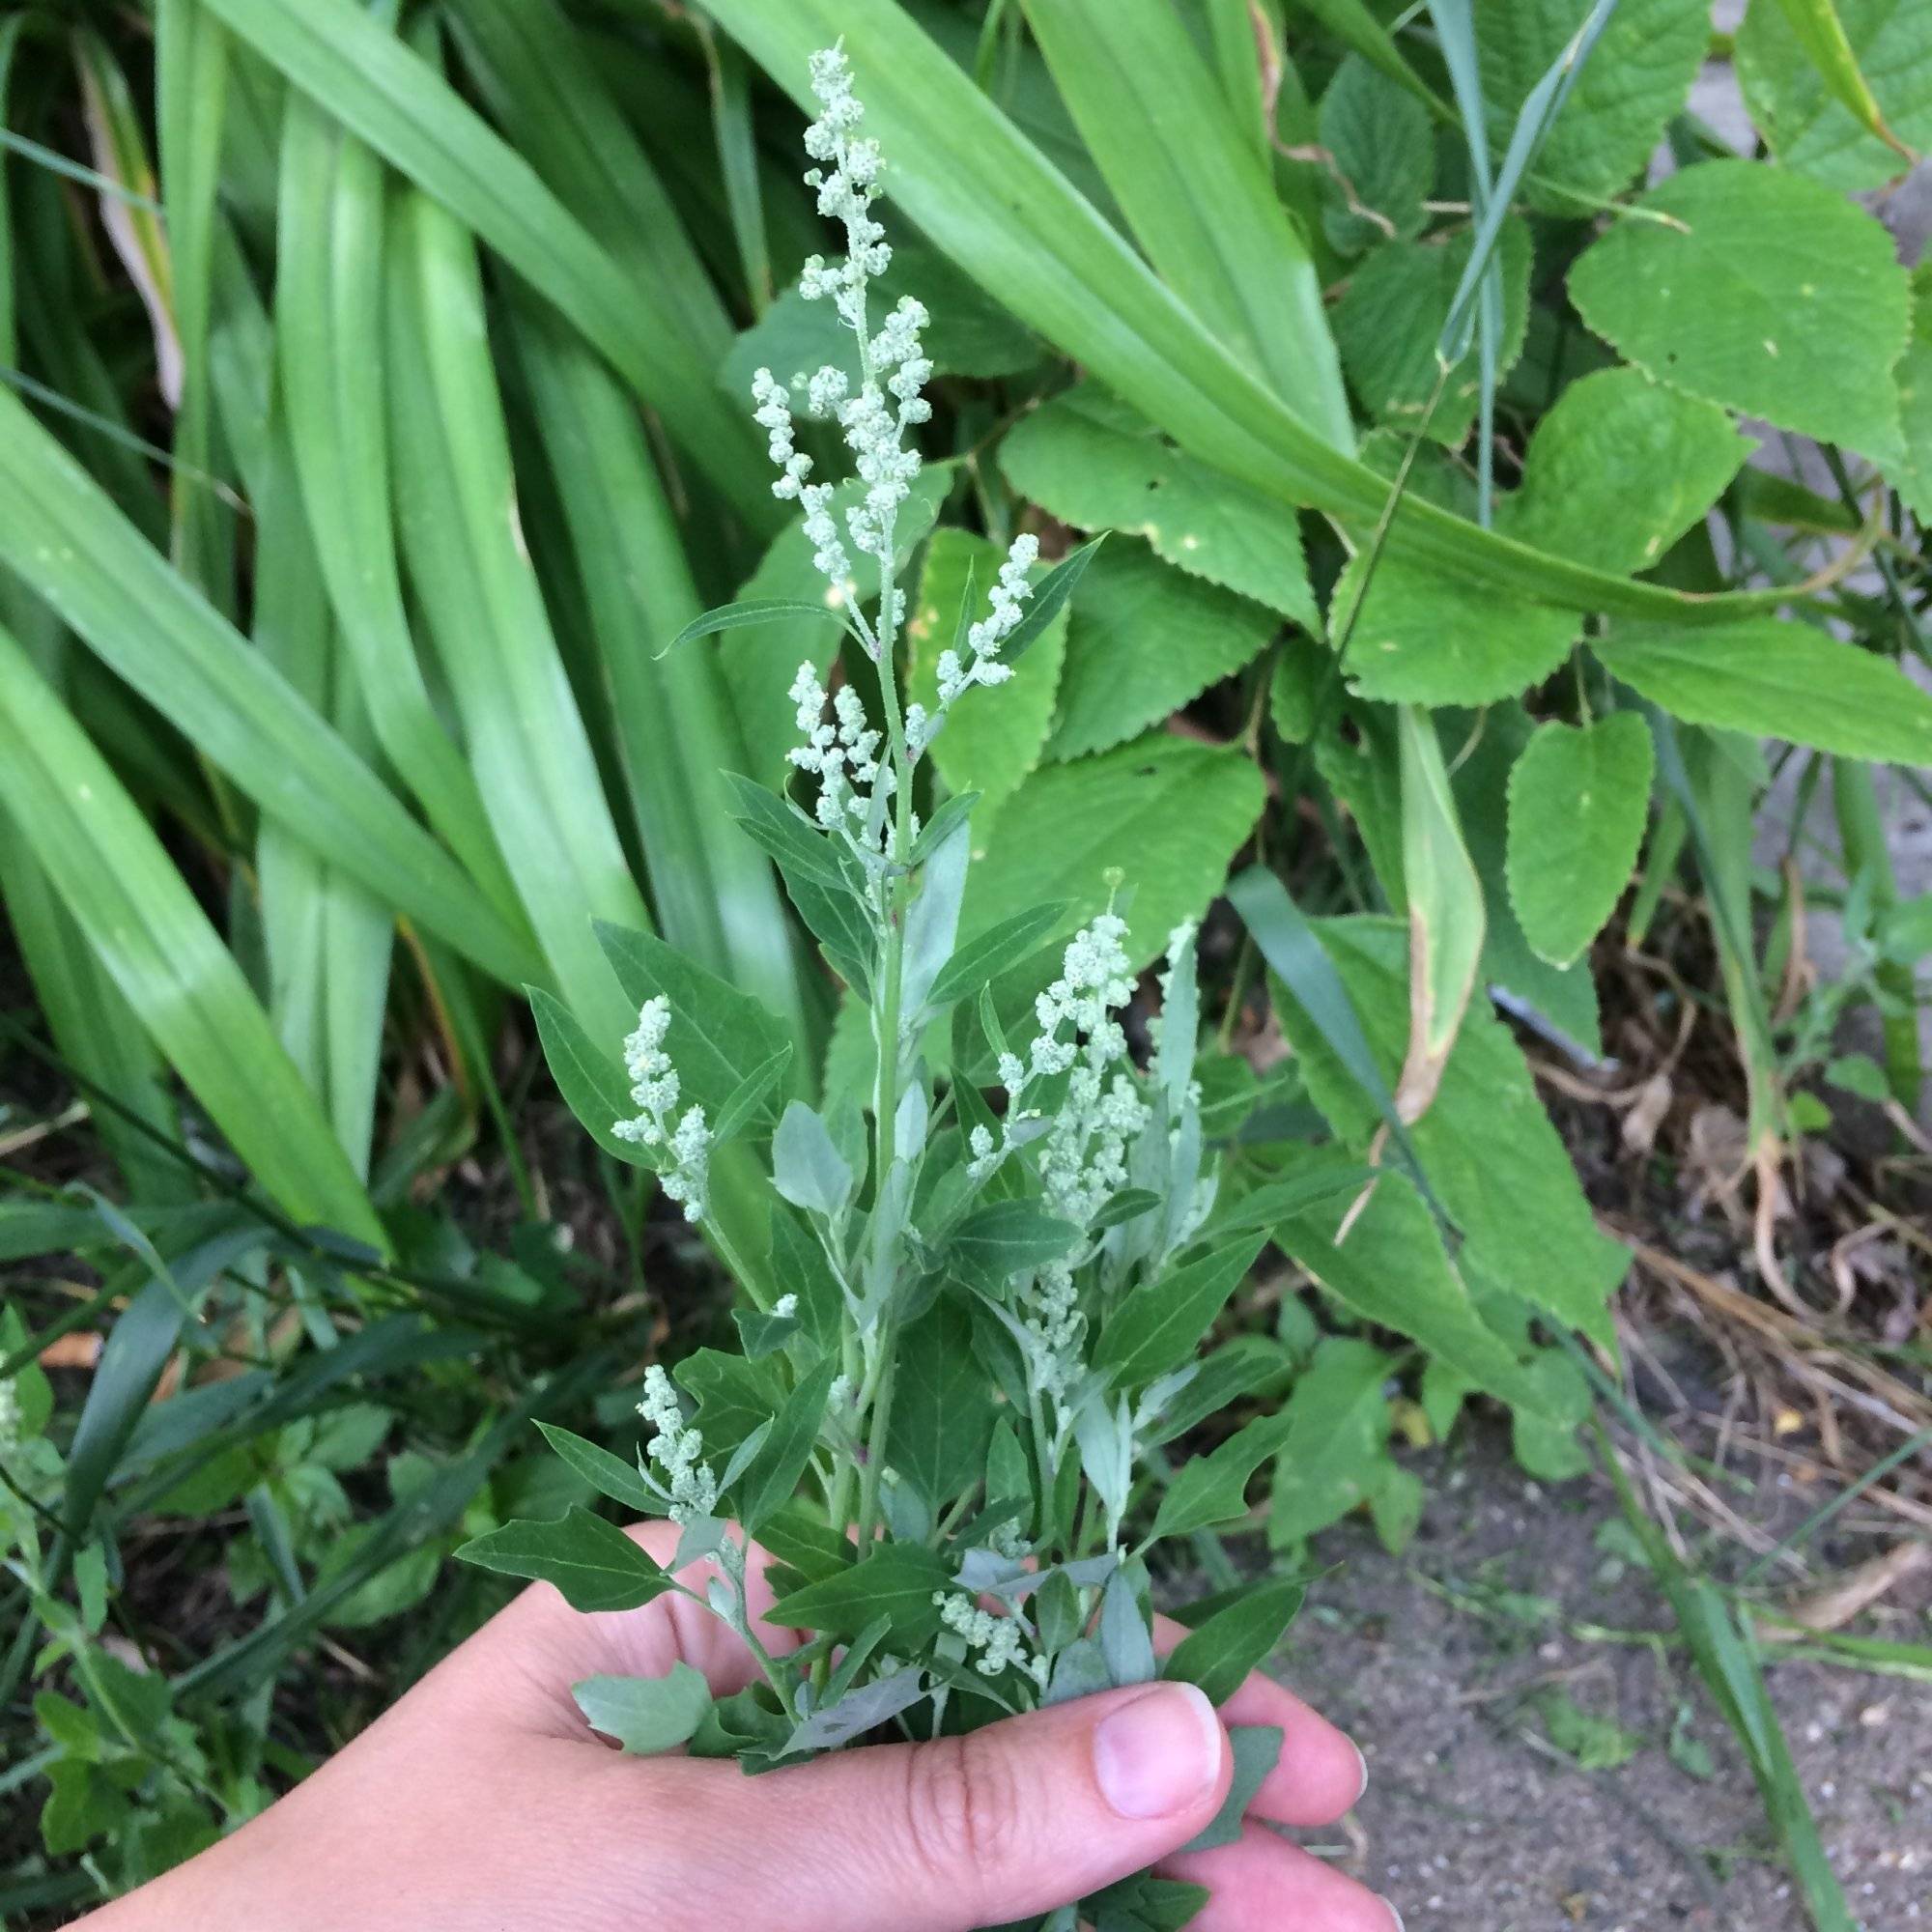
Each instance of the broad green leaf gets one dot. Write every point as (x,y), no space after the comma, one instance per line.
(975,184)
(1168,814)
(1445,912)
(1159,1324)
(1196,194)
(645,1714)
(1335,1455)
(943,1412)
(1004,1239)
(1545,1441)
(595,1564)
(1098,465)
(1566,997)
(719,1036)
(1218,1654)
(1634,81)
(735,1398)
(1390,320)
(151,934)
(1778,680)
(1487,1145)
(1145,642)
(589,1076)
(1759,290)
(1212,1489)
(806,1167)
(896,1582)
(1390,1269)
(1620,469)
(1256,1751)
(1911,474)
(352,65)
(1296,686)
(1822,77)
(1419,638)
(1578,802)
(610,1475)
(1381,144)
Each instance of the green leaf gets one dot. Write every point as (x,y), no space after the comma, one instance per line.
(1596,1744)
(1212,1489)
(1161,1323)
(1487,1145)
(1635,80)
(768,1484)
(1336,1450)
(974,183)
(1055,588)
(645,1714)
(1004,1239)
(1911,474)
(1759,290)
(357,70)
(719,1036)
(1390,321)
(806,1167)
(1391,1268)
(595,1564)
(1421,640)
(1143,642)
(1620,469)
(1578,802)
(747,615)
(1096,464)
(1382,147)
(981,961)
(896,1582)
(1219,1654)
(1778,680)
(607,1474)
(589,1080)
(1168,814)
(735,1398)
(1822,77)
(943,1412)
(1196,192)
(155,943)
(747,1105)
(1256,1749)
(994,733)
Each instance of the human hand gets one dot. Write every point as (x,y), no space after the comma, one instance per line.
(481,1801)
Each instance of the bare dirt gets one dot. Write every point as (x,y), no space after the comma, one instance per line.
(1515,1592)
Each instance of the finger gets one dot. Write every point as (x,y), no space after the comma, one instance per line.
(1261,1881)
(1011,1820)
(1320,1773)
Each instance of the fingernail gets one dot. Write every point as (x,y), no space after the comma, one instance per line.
(1157,1755)
(1361,1790)
(1394,1915)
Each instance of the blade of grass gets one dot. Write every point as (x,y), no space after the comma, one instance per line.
(737,138)
(59,531)
(1727,1660)
(457,496)
(403,108)
(990,200)
(1197,193)
(537,79)
(140,917)
(716,894)
(330,353)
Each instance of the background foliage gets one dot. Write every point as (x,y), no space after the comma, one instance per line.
(378,410)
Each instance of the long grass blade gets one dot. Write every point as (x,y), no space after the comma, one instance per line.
(1197,194)
(486,613)
(403,108)
(63,535)
(144,924)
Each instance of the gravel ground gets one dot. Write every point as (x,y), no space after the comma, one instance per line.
(1473,1820)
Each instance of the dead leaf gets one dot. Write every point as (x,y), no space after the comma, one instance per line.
(1853,1594)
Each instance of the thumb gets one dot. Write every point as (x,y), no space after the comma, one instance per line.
(1027,1814)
